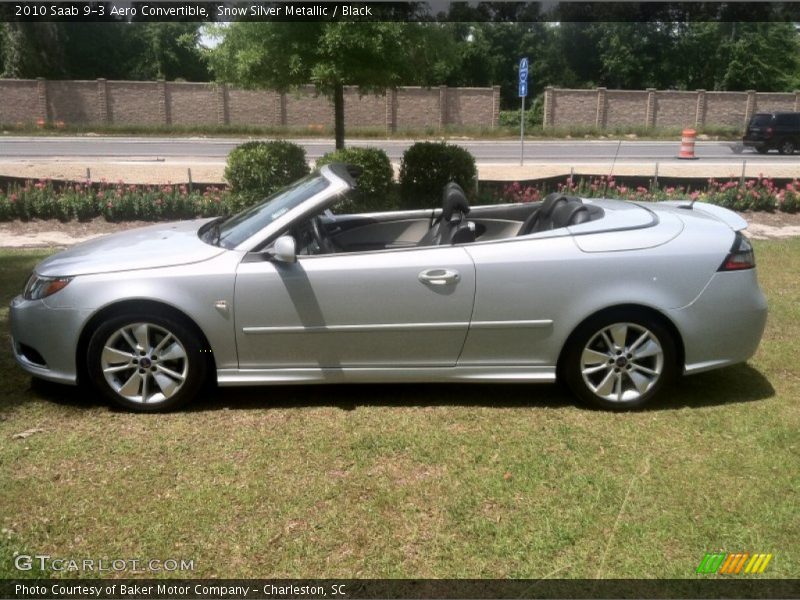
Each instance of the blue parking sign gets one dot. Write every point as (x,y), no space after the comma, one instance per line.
(523,77)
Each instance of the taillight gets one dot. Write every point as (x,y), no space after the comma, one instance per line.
(741,255)
(769,132)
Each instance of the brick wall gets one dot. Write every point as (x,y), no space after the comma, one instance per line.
(660,108)
(165,103)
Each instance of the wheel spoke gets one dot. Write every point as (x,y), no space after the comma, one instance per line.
(607,385)
(162,343)
(145,391)
(131,387)
(127,337)
(118,368)
(619,333)
(650,348)
(642,338)
(618,386)
(170,373)
(645,370)
(114,356)
(609,344)
(594,369)
(141,334)
(168,386)
(639,381)
(593,357)
(174,352)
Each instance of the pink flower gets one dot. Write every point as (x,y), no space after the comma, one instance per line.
(109,205)
(101,195)
(13,198)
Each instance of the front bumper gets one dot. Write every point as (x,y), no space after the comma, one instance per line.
(724,324)
(44,339)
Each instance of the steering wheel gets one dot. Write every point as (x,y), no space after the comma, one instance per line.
(316,228)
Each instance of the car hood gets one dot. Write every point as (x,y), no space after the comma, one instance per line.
(162,245)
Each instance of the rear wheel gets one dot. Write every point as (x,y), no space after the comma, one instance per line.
(620,361)
(787,147)
(146,363)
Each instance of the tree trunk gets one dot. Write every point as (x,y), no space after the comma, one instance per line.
(338,114)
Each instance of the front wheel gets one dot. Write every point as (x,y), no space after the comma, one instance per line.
(619,361)
(146,363)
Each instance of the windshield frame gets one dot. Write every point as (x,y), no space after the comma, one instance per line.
(316,203)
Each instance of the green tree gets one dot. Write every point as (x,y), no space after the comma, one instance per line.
(763,56)
(112,50)
(33,50)
(373,56)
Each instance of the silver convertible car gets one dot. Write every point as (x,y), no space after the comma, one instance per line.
(614,298)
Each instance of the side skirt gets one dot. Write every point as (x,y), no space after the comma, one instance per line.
(234,377)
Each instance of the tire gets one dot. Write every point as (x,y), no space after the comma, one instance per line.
(762,149)
(787,146)
(124,365)
(619,360)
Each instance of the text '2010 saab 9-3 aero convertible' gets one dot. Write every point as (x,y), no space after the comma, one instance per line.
(614,298)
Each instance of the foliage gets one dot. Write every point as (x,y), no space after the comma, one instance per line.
(374,189)
(427,167)
(261,168)
(534,115)
(120,201)
(371,55)
(83,201)
(136,50)
(760,194)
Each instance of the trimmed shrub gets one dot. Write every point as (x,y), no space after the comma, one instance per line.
(374,189)
(258,169)
(428,166)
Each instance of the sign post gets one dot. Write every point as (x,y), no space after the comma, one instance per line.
(523,92)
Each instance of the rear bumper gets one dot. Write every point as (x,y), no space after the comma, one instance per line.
(724,324)
(754,143)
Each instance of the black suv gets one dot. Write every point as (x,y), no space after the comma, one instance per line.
(779,130)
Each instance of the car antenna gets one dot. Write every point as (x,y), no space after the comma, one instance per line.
(689,206)
(614,162)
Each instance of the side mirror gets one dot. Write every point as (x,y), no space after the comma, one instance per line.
(285,249)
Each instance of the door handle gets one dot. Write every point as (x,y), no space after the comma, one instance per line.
(439,276)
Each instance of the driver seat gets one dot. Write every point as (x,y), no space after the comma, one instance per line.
(452,226)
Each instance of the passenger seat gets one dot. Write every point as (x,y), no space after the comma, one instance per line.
(555,212)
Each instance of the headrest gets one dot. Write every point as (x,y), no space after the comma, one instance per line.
(454,201)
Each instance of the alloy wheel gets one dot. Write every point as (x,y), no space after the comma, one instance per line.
(622,362)
(144,363)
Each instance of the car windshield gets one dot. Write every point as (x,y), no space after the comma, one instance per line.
(250,221)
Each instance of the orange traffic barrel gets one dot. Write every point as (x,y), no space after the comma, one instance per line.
(687,144)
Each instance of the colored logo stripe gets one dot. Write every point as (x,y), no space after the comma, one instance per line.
(733,563)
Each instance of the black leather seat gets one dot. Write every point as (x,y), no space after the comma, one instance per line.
(451,227)
(556,211)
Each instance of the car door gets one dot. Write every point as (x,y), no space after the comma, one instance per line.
(397,308)
(525,288)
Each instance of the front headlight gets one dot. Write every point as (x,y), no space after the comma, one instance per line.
(42,287)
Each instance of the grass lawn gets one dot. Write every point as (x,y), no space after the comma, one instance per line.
(415,480)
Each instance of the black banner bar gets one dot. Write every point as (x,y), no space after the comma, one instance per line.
(278,589)
(433,11)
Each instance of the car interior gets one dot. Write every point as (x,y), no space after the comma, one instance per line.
(452,224)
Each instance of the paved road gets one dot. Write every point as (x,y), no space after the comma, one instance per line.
(487,152)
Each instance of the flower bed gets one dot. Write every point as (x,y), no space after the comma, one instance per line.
(84,201)
(760,194)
